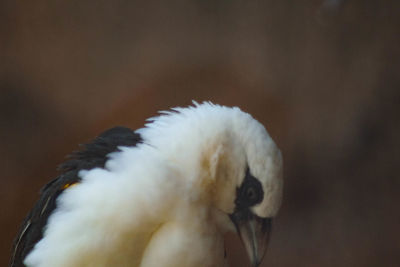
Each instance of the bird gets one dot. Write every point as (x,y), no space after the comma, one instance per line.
(163,195)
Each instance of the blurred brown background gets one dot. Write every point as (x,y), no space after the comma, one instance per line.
(323,76)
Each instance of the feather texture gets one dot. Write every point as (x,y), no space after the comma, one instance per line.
(161,195)
(93,154)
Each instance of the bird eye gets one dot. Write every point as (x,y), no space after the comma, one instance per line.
(251,194)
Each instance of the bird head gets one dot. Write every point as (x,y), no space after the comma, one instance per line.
(232,164)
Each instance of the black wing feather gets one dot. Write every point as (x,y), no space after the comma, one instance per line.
(93,154)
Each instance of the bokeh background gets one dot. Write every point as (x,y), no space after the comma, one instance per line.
(323,76)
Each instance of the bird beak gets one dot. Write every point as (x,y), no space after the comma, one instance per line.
(254,232)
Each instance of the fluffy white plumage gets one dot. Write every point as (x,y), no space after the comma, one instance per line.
(167,201)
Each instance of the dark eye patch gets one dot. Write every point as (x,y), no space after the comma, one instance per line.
(250,192)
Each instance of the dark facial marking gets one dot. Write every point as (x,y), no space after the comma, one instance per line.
(252,229)
(249,193)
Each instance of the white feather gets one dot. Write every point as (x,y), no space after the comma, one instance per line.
(152,204)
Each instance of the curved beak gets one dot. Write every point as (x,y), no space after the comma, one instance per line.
(254,231)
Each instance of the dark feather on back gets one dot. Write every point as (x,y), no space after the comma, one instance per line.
(93,155)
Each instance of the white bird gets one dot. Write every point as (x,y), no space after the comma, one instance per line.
(163,195)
